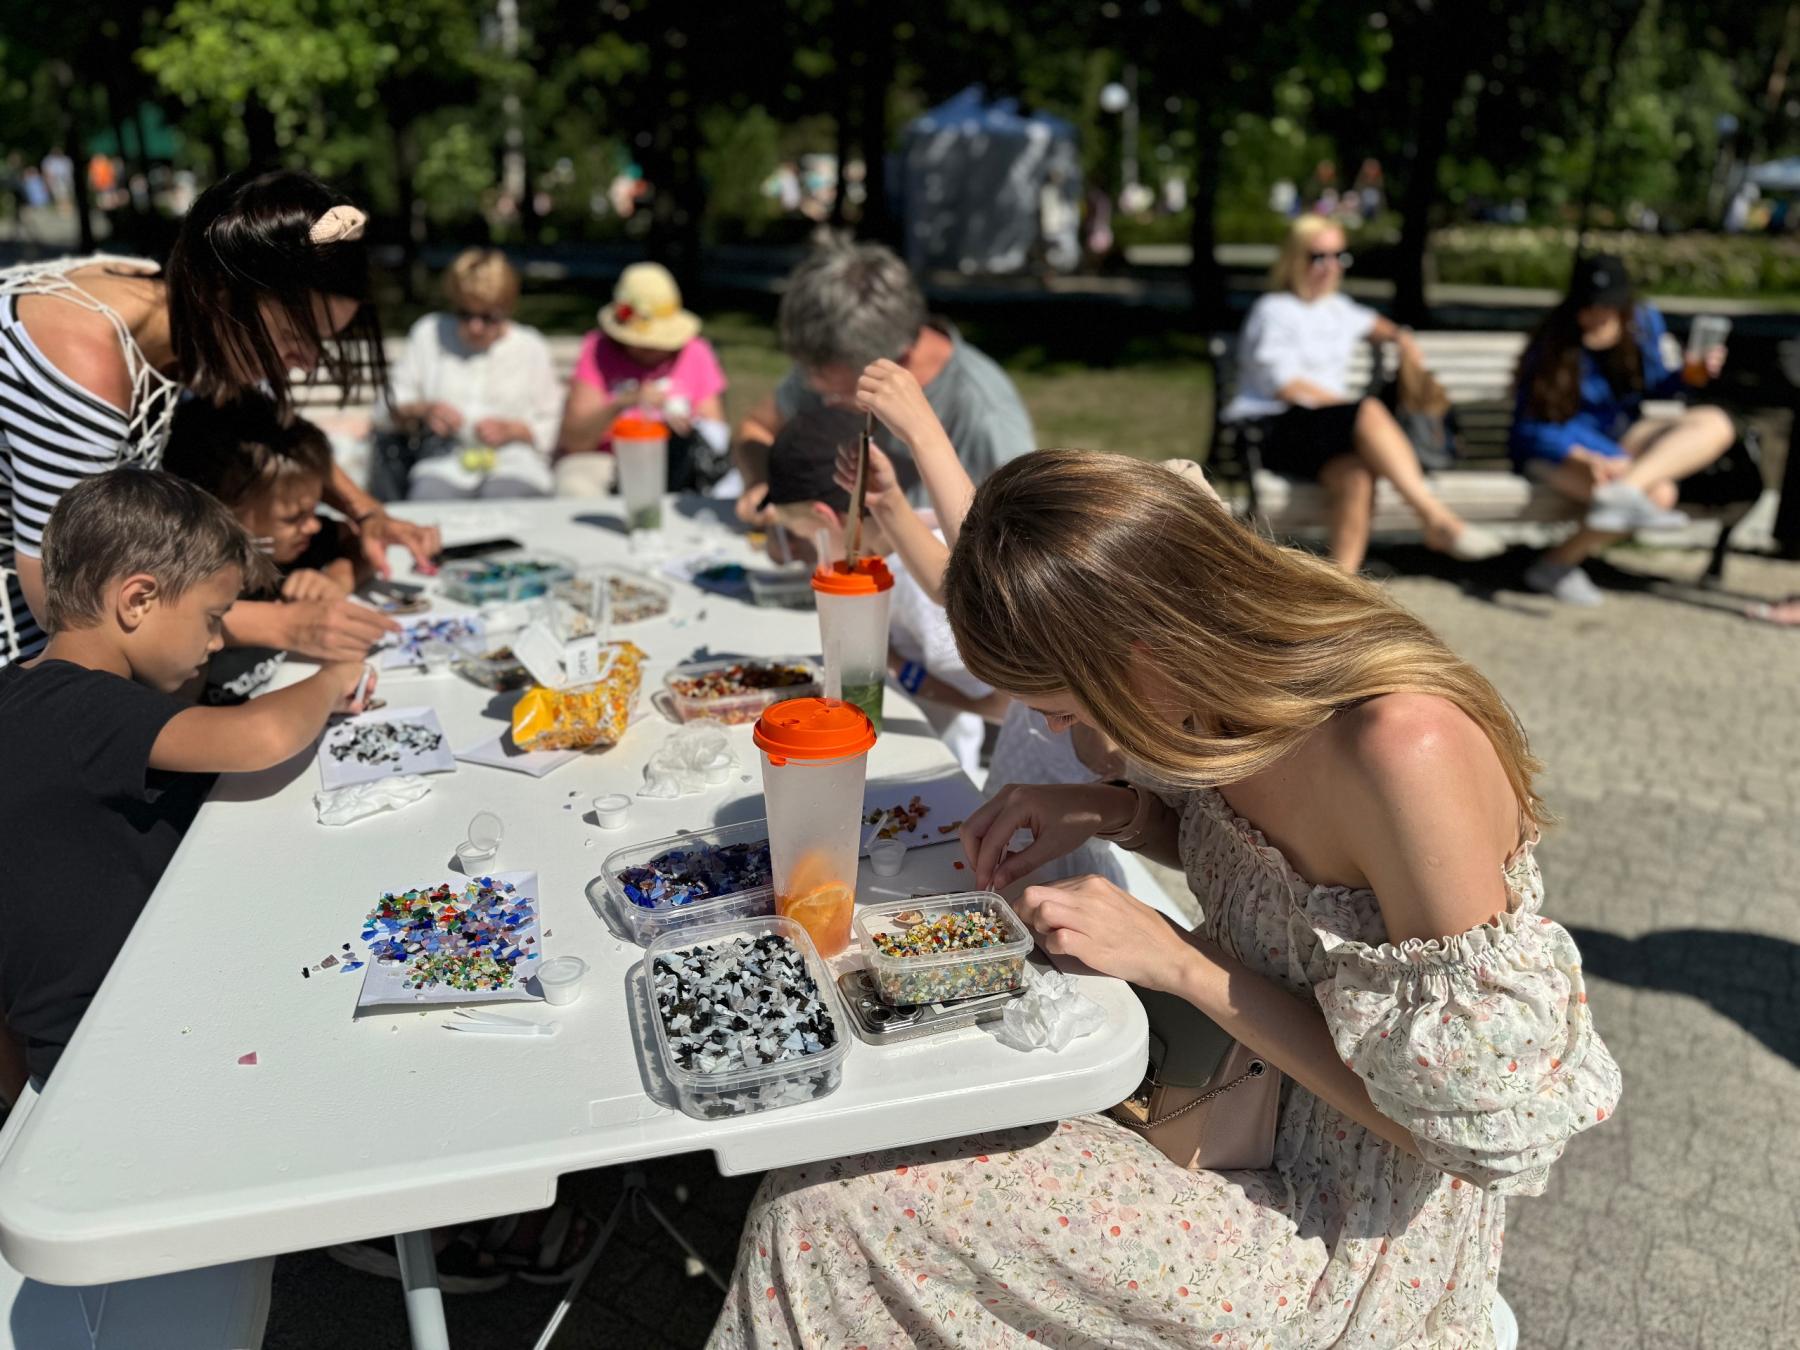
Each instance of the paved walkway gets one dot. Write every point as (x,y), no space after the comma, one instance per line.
(1672,732)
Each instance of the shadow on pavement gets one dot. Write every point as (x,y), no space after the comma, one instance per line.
(1752,978)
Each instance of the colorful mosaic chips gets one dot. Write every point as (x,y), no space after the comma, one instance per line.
(684,875)
(465,940)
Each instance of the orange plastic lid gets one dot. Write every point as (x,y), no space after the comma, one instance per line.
(631,427)
(870,576)
(813,729)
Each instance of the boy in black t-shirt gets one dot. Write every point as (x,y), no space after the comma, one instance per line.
(270,472)
(102,765)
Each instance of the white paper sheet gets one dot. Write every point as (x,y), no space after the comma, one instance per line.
(499,752)
(948,796)
(402,649)
(336,773)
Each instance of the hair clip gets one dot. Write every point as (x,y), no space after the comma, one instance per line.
(341,224)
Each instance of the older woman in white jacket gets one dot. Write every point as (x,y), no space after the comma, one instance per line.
(475,398)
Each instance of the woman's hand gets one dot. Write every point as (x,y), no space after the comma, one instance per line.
(1060,818)
(307,584)
(890,391)
(1601,469)
(1107,930)
(881,485)
(378,529)
(441,419)
(499,431)
(1715,361)
(752,507)
(333,630)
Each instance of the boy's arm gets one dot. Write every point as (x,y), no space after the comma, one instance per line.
(13,1073)
(259,734)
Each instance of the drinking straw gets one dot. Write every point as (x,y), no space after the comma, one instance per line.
(853,548)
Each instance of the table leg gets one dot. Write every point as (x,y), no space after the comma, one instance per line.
(424,1300)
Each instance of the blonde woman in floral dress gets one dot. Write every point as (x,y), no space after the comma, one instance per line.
(1354,808)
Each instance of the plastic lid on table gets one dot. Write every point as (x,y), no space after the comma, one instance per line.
(813,729)
(632,427)
(869,576)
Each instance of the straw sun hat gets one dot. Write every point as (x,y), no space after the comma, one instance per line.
(646,310)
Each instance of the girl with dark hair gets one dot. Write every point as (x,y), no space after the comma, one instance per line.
(269,275)
(1579,423)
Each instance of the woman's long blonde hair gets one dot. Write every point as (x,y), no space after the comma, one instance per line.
(1069,559)
(1295,258)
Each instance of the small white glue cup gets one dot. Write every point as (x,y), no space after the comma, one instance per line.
(560,978)
(611,811)
(887,857)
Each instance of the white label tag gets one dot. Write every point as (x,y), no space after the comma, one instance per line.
(581,660)
(563,665)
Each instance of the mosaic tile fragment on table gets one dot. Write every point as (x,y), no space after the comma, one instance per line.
(380,745)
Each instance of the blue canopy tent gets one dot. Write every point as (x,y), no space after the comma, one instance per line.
(1777,175)
(978,179)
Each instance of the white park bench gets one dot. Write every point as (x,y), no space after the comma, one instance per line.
(1476,369)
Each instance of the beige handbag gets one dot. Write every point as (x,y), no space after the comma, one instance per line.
(1207,1101)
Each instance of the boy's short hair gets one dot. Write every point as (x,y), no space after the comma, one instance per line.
(239,449)
(126,521)
(804,456)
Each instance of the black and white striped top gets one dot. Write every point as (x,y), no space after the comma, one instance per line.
(53,433)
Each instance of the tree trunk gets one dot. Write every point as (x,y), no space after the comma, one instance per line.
(877,75)
(412,232)
(259,130)
(1206,278)
(73,148)
(1438,84)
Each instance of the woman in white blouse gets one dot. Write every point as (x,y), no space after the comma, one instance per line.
(1293,380)
(475,400)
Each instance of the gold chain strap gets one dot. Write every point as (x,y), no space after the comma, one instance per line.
(1256,1069)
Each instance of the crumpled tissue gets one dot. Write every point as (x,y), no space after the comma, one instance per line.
(695,756)
(346,804)
(1048,1015)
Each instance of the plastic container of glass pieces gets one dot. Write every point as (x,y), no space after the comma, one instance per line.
(645,923)
(743,1091)
(491,664)
(947,976)
(734,709)
(632,596)
(503,577)
(781,588)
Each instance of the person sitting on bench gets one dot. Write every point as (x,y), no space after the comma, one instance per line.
(1579,424)
(1297,346)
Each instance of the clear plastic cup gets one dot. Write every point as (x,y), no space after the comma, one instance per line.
(1707,333)
(815,755)
(560,979)
(853,628)
(887,857)
(641,447)
(476,853)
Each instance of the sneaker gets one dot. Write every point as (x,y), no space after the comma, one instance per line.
(1620,508)
(1565,582)
(460,1267)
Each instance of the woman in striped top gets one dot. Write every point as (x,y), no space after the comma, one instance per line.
(268,275)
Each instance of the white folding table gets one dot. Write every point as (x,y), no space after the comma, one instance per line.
(154,1150)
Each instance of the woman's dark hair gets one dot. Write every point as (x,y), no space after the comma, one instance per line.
(1550,369)
(247,242)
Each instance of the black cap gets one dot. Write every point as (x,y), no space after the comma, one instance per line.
(1600,280)
(802,459)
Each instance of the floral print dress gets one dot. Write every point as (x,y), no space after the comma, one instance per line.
(1080,1234)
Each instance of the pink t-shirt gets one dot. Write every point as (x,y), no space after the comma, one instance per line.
(692,373)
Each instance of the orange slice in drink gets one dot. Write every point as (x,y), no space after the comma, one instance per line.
(824,912)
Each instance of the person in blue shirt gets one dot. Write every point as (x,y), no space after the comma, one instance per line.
(1579,424)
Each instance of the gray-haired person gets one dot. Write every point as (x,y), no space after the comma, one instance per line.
(848,305)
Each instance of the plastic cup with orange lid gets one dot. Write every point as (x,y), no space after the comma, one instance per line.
(815,756)
(640,445)
(853,602)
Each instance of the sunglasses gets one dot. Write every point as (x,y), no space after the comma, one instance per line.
(1343,258)
(479,316)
